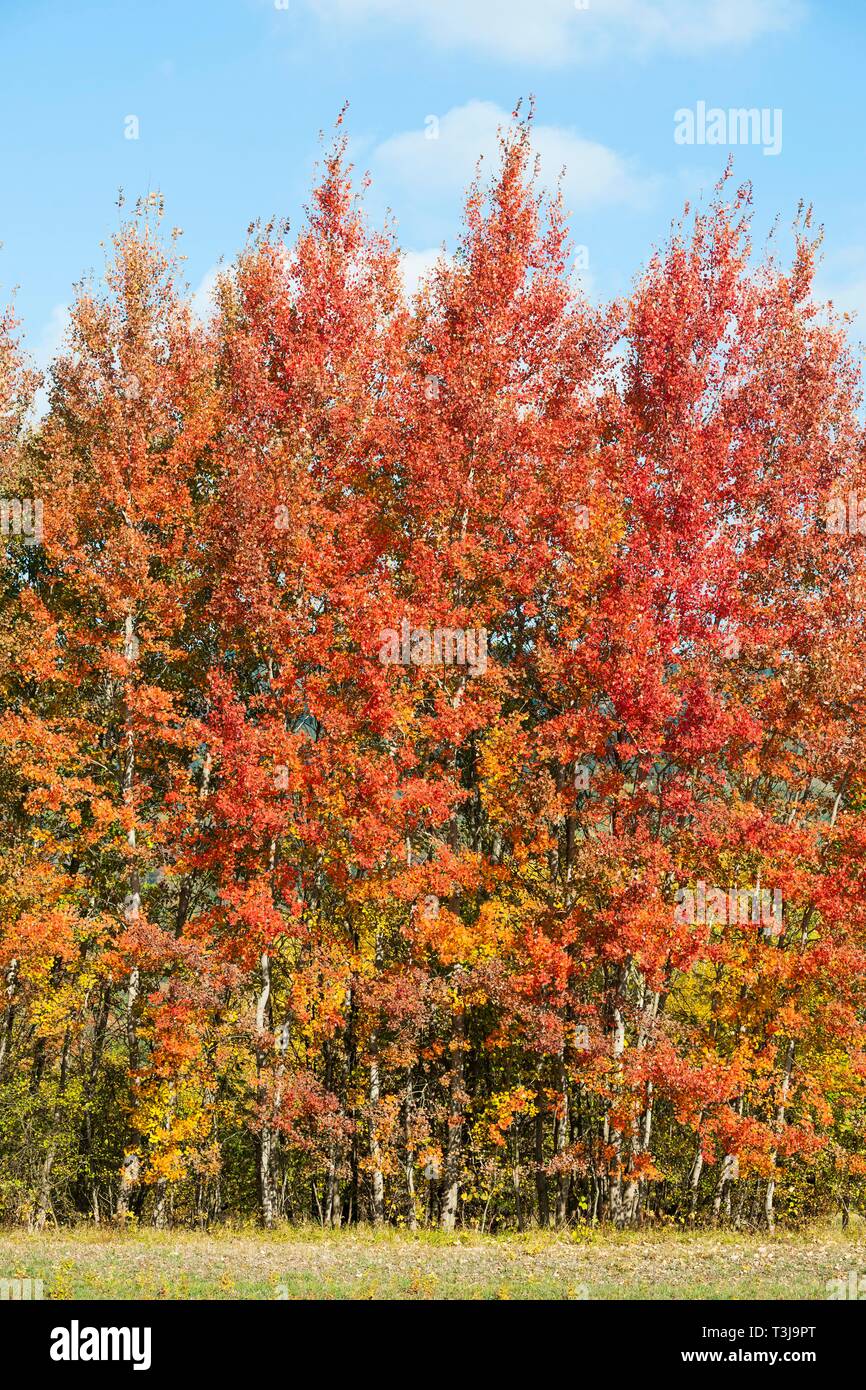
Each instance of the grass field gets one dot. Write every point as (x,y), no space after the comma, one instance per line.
(362,1264)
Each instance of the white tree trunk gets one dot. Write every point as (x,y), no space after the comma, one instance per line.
(454,1138)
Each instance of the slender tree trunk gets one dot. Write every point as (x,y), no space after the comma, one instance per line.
(541,1184)
(86,1185)
(132,904)
(411,1213)
(780,1125)
(727,1176)
(756,1204)
(9,1018)
(266,1137)
(375,1146)
(515,1183)
(378,1181)
(160,1211)
(695,1182)
(740,1207)
(788,1065)
(613,1135)
(43,1204)
(129,1176)
(333,1199)
(43,1200)
(454,1136)
(641,1125)
(560,1144)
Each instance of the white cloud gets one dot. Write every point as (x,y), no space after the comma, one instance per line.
(49,344)
(415,266)
(695,26)
(557,32)
(583,282)
(430,169)
(53,336)
(202,301)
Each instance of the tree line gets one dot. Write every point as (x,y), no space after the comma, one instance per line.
(306,910)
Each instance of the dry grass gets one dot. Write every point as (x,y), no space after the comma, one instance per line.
(362,1264)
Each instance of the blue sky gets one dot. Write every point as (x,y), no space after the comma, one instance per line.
(230,97)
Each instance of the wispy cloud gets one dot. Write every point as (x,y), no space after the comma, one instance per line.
(558,32)
(438,160)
